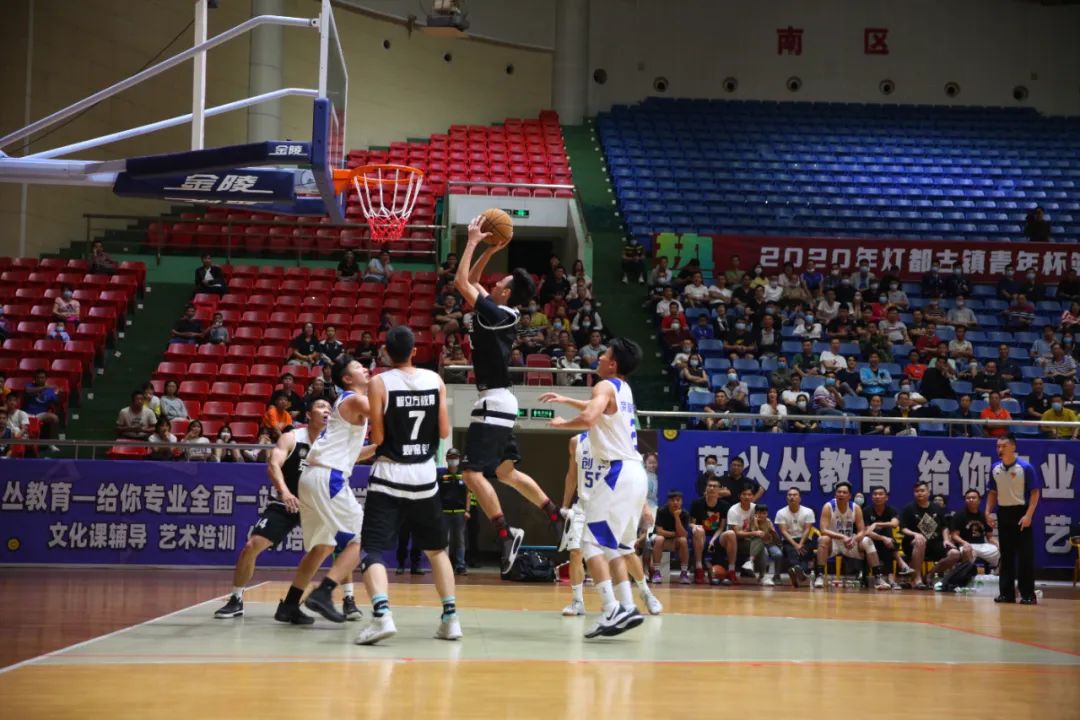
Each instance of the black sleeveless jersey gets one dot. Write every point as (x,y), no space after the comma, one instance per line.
(494,330)
(294,464)
(410,416)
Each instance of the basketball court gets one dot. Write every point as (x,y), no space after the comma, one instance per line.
(823,651)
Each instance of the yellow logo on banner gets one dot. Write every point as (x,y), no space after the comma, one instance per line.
(671,434)
(13,544)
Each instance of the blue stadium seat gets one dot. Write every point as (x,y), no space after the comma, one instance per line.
(947,405)
(755,382)
(746,365)
(855,403)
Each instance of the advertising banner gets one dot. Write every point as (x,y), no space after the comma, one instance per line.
(137,512)
(815,463)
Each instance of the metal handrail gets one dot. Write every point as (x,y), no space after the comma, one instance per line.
(523,369)
(854,420)
(94,445)
(511,184)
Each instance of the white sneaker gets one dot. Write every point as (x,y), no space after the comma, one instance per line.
(767,581)
(378,629)
(748,566)
(653,604)
(575,608)
(819,582)
(449,629)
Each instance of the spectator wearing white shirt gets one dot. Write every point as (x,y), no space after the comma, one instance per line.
(774,410)
(832,359)
(195,435)
(719,292)
(162,434)
(663,307)
(794,522)
(18,421)
(661,276)
(828,307)
(696,293)
(136,421)
(773,291)
(686,349)
(960,347)
(960,315)
(735,389)
(807,328)
(896,296)
(894,328)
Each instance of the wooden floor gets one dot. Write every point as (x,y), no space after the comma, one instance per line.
(715,651)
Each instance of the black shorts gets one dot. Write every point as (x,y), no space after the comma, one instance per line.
(489,446)
(275,523)
(935,549)
(385,515)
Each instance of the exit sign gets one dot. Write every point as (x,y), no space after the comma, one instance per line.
(523,413)
(542,414)
(516,213)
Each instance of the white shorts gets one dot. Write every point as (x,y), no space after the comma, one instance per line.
(614,508)
(577,526)
(329,512)
(987,552)
(839,548)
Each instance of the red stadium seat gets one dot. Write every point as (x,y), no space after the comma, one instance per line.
(202,371)
(233,372)
(256,392)
(218,410)
(209,351)
(194,389)
(245,432)
(224,391)
(181,352)
(250,410)
(170,370)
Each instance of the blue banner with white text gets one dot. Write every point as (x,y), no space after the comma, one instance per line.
(815,463)
(137,512)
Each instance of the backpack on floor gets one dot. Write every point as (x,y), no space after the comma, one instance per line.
(959,576)
(531,566)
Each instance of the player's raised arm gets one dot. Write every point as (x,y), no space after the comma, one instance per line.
(603,395)
(274,463)
(550,397)
(464,281)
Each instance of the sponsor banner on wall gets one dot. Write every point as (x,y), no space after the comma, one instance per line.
(137,512)
(815,463)
(980,260)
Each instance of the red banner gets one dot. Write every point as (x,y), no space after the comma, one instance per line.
(981,261)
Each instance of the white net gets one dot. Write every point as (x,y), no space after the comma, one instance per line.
(387,196)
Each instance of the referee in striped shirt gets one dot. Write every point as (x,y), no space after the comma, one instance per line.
(1012,488)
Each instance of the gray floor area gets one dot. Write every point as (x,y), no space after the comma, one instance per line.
(192,635)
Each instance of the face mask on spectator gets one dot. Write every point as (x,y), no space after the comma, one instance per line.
(1057,406)
(959,303)
(68,294)
(694,363)
(676,326)
(558,325)
(894,286)
(710,467)
(830,381)
(587,307)
(801,404)
(740,326)
(733,377)
(532,307)
(809,319)
(905,388)
(451,465)
(957,271)
(1031,276)
(882,299)
(845,281)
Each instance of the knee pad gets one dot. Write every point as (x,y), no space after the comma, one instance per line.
(369,560)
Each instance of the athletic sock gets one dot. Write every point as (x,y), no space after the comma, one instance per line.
(623,594)
(876,570)
(552,512)
(292,598)
(380,604)
(327,584)
(449,608)
(577,593)
(238,592)
(502,528)
(607,596)
(347,588)
(643,588)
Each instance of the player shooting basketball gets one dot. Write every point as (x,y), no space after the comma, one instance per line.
(490,447)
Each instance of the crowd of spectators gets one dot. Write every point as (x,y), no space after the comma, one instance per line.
(829,342)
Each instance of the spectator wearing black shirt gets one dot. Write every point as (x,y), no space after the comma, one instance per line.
(454,496)
(768,338)
(365,350)
(1069,287)
(686,274)
(633,261)
(187,329)
(1007,284)
(1007,368)
(296,403)
(872,424)
(933,285)
(557,283)
(881,519)
(707,516)
(971,532)
(936,382)
(989,380)
(732,483)
(841,326)
(964,412)
(1036,226)
(672,531)
(209,278)
(348,269)
(924,527)
(709,473)
(957,284)
(845,293)
(303,350)
(1038,402)
(329,348)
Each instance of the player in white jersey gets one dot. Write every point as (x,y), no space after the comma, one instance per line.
(330,515)
(408,418)
(843,532)
(581,474)
(614,508)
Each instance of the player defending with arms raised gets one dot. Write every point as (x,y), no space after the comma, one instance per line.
(408,417)
(282,512)
(490,447)
(330,515)
(613,509)
(582,474)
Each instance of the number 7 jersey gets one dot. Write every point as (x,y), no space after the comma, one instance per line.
(405,460)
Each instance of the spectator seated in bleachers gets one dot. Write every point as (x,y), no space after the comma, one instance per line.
(773,411)
(1059,413)
(696,294)
(1006,366)
(1060,367)
(797,422)
(848,378)
(187,330)
(686,274)
(876,343)
(226,455)
(66,307)
(633,261)
(379,268)
(365,349)
(259,456)
(172,406)
(58,331)
(316,390)
(195,435)
(936,382)
(217,333)
(210,278)
(348,270)
(41,400)
(907,405)
(277,417)
(896,297)
(17,420)
(807,327)
(580,292)
(740,341)
(964,412)
(990,381)
(448,317)
(995,411)
(150,399)
(100,261)
(586,321)
(1069,396)
(893,328)
(555,283)
(570,359)
(736,389)
(162,434)
(1036,227)
(453,354)
(702,329)
(1042,349)
(789,393)
(960,348)
(871,425)
(294,404)
(720,406)
(328,382)
(5,435)
(537,318)
(303,349)
(875,380)
(591,352)
(767,337)
(517,360)
(782,375)
(1020,314)
(916,368)
(1070,319)
(136,421)
(806,362)
(832,360)
(1037,402)
(329,348)
(1068,290)
(693,375)
(828,399)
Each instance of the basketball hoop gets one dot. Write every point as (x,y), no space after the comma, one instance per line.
(387,195)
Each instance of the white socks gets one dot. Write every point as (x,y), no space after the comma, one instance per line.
(347,588)
(607,596)
(238,592)
(623,594)
(643,588)
(577,592)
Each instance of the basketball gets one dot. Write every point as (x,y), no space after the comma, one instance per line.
(499,224)
(719,572)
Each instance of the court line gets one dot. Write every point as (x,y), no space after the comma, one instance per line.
(979,633)
(88,641)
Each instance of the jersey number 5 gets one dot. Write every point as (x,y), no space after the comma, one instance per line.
(591,476)
(417,418)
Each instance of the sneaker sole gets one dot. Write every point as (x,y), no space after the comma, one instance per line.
(330,614)
(630,624)
(225,616)
(572,614)
(514,548)
(354,617)
(376,638)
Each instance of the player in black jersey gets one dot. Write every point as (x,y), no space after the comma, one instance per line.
(490,447)
(282,512)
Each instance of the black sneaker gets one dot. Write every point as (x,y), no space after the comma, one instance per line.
(415,570)
(462,570)
(1003,599)
(292,614)
(400,570)
(233,608)
(511,546)
(349,609)
(1030,600)
(321,602)
(794,577)
(619,621)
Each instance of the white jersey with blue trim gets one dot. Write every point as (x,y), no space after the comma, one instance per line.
(614,437)
(340,442)
(843,522)
(590,471)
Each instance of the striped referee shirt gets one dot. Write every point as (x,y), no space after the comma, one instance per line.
(1013,483)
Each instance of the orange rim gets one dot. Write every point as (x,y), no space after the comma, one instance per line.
(403,173)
